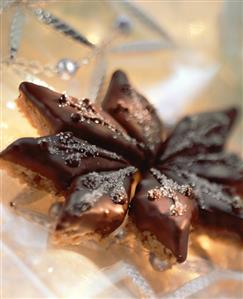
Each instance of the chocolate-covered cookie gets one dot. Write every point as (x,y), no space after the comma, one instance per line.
(194,154)
(200,133)
(88,157)
(220,167)
(52,112)
(96,204)
(134,112)
(58,158)
(165,210)
(220,207)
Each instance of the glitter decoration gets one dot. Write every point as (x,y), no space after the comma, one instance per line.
(169,189)
(98,185)
(208,193)
(72,149)
(205,138)
(109,183)
(87,112)
(194,155)
(198,133)
(170,185)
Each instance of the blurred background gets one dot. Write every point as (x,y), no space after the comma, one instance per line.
(185,56)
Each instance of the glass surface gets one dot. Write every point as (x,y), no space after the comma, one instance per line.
(202,72)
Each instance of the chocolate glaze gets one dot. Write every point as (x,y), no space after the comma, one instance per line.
(219,206)
(199,134)
(193,154)
(96,203)
(164,208)
(223,168)
(133,112)
(60,158)
(85,119)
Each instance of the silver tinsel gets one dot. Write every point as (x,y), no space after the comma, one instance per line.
(16,32)
(147,20)
(123,23)
(5,4)
(66,68)
(47,18)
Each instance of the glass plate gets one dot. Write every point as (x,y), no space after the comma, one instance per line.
(202,72)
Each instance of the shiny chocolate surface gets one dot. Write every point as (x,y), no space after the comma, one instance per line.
(198,134)
(134,112)
(194,154)
(60,158)
(82,117)
(97,203)
(192,175)
(165,209)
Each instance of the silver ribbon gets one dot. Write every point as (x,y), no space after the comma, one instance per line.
(16,32)
(49,19)
(5,4)
(147,20)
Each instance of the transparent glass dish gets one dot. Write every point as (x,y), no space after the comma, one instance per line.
(202,72)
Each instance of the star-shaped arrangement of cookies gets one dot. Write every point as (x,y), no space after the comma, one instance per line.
(115,167)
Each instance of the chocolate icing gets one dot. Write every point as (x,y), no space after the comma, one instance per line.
(134,112)
(96,202)
(85,119)
(219,206)
(198,134)
(191,163)
(223,168)
(193,154)
(61,157)
(164,208)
